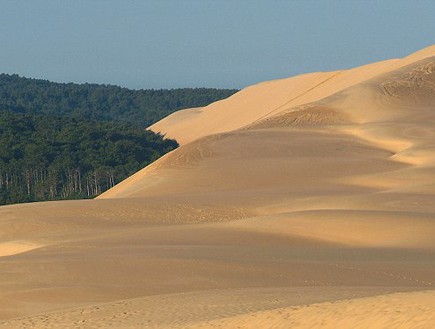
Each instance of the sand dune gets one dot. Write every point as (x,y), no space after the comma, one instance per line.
(306,201)
(268,98)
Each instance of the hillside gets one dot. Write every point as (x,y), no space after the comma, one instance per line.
(305,201)
(72,141)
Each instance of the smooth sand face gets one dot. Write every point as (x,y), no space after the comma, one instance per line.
(16,247)
(303,191)
(405,310)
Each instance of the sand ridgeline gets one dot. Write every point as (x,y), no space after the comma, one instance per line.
(302,202)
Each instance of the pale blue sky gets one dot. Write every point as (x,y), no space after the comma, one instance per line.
(204,43)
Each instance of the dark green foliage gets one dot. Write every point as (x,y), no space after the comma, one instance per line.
(52,157)
(100,102)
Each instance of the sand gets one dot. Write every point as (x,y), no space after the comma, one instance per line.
(302,202)
(406,310)
(248,308)
(16,247)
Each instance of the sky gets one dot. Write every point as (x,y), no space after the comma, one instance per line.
(142,44)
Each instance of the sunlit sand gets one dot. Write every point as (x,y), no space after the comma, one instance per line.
(295,203)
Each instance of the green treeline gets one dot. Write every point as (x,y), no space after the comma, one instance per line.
(52,157)
(100,102)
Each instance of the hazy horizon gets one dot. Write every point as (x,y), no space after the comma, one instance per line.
(226,44)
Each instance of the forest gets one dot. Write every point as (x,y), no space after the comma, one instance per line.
(70,141)
(49,158)
(100,102)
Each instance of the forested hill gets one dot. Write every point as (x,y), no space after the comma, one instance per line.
(46,157)
(100,102)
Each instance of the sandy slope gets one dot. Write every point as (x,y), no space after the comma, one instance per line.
(406,310)
(301,191)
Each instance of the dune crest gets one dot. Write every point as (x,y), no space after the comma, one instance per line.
(268,98)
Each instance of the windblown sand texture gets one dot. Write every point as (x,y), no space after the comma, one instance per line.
(298,203)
